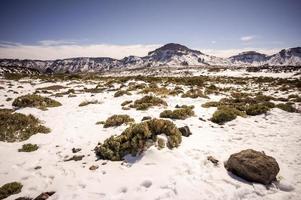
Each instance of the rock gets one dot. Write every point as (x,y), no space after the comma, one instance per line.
(75,150)
(185,131)
(93,167)
(253,166)
(202,119)
(146,118)
(213,160)
(37,167)
(44,195)
(75,158)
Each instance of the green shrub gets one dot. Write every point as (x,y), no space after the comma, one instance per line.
(181,113)
(117,120)
(288,107)
(256,109)
(121,93)
(224,114)
(17,127)
(52,87)
(14,76)
(33,100)
(137,138)
(28,148)
(211,104)
(10,189)
(126,103)
(85,103)
(194,93)
(148,101)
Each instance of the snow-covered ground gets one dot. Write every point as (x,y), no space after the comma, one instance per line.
(178,174)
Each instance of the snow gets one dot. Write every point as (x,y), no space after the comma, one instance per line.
(178,174)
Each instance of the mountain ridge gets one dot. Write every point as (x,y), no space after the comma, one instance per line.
(171,54)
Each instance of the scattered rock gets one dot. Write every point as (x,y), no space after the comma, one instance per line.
(146,118)
(44,195)
(75,158)
(185,131)
(93,167)
(213,160)
(202,119)
(75,150)
(253,166)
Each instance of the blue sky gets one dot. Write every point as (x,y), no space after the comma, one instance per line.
(90,27)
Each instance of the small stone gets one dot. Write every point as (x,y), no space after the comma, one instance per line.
(44,195)
(75,150)
(185,131)
(202,119)
(37,167)
(75,158)
(146,118)
(213,160)
(93,167)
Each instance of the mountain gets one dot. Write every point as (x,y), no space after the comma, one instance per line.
(249,57)
(290,56)
(171,54)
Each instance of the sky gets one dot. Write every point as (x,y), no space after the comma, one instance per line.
(52,29)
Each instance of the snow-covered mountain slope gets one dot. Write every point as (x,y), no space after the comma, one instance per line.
(168,55)
(249,57)
(290,56)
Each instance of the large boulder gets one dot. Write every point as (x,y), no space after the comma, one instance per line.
(253,166)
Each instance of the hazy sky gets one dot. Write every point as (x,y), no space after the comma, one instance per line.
(49,29)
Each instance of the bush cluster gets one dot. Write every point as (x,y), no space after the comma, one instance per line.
(117,120)
(9,189)
(180,113)
(17,127)
(28,148)
(137,138)
(148,101)
(33,100)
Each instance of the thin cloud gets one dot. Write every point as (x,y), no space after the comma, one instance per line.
(55,42)
(248,38)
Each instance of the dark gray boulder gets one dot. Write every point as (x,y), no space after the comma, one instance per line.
(253,166)
(185,131)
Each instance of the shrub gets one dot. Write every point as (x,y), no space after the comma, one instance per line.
(33,100)
(28,148)
(224,114)
(52,87)
(126,103)
(121,93)
(137,138)
(17,127)
(211,104)
(156,90)
(85,103)
(148,101)
(194,93)
(288,107)
(256,109)
(181,113)
(117,120)
(9,189)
